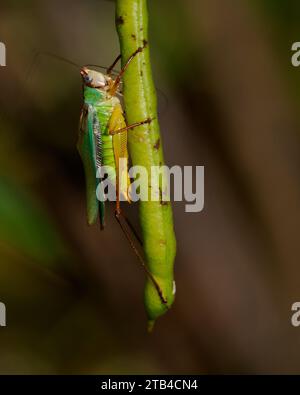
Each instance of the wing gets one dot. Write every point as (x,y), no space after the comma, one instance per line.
(89,147)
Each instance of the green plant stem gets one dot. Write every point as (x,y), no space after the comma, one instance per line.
(145,147)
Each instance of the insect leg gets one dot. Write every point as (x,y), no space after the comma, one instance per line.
(119,215)
(132,229)
(117,81)
(110,69)
(128,127)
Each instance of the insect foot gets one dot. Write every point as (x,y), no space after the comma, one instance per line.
(140,49)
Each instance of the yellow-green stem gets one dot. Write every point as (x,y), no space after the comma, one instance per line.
(145,147)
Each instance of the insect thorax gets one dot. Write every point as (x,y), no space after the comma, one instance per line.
(99,97)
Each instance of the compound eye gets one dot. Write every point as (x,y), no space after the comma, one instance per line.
(88,79)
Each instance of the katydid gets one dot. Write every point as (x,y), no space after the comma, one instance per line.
(103,142)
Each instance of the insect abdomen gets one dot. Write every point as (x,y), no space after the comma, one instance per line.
(108,158)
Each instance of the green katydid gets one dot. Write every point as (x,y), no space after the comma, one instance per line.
(103,142)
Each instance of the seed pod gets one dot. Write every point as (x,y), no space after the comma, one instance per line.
(145,148)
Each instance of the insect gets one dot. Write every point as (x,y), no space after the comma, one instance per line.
(102,141)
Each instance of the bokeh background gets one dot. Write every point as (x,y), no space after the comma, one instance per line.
(74,294)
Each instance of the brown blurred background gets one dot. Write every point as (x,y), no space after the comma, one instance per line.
(74,294)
